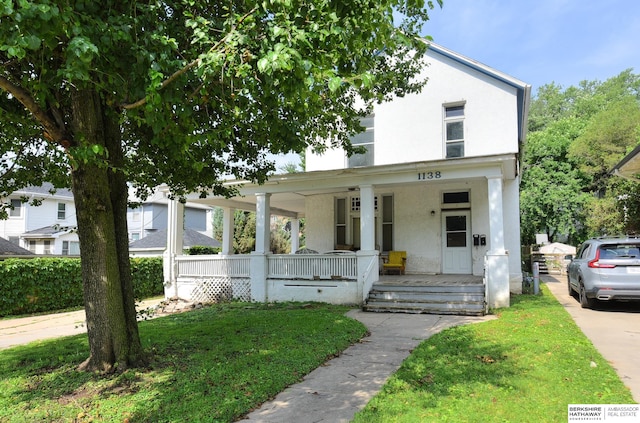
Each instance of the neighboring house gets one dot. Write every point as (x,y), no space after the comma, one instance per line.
(151,216)
(156,243)
(439,180)
(10,249)
(47,228)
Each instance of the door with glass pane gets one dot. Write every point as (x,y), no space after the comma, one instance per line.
(456,239)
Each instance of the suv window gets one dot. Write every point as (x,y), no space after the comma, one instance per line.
(612,251)
(584,251)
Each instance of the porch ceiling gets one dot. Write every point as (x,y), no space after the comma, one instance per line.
(629,167)
(288,191)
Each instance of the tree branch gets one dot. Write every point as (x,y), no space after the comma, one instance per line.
(190,65)
(52,131)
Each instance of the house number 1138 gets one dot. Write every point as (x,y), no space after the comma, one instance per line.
(423,176)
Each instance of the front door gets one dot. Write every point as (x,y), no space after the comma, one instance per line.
(456,237)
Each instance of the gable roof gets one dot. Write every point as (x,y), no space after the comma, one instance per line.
(523,89)
(10,249)
(158,240)
(51,231)
(46,189)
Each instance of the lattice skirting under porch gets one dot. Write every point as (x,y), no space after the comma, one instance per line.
(218,289)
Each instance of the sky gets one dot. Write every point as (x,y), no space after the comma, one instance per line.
(543,41)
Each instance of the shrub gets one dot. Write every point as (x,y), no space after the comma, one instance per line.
(51,283)
(202,250)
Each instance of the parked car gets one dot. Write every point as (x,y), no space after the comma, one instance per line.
(606,269)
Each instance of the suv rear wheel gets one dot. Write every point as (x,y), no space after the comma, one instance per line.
(585,302)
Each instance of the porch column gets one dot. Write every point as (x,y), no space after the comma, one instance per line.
(227,230)
(259,264)
(295,235)
(497,259)
(175,237)
(367,218)
(263,217)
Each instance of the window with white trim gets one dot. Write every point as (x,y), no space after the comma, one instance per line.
(32,246)
(62,211)
(365,140)
(454,130)
(16,208)
(70,248)
(47,246)
(135,215)
(347,221)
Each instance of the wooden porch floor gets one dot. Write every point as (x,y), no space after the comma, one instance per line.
(429,280)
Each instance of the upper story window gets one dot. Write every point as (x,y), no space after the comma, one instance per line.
(62,211)
(364,139)
(135,214)
(16,208)
(454,130)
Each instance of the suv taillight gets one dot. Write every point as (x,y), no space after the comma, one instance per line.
(595,263)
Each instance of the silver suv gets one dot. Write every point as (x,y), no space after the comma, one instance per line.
(606,269)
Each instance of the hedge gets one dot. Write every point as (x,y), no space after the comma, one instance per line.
(47,284)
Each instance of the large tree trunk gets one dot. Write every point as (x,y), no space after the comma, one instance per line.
(101,215)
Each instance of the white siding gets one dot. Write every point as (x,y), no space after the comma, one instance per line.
(46,214)
(410,129)
(415,229)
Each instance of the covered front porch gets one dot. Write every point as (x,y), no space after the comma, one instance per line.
(350,279)
(418,224)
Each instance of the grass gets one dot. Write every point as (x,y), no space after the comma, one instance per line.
(219,363)
(525,366)
(213,364)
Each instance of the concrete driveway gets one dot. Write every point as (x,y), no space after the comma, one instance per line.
(613,328)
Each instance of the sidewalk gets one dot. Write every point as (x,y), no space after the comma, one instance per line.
(335,391)
(34,328)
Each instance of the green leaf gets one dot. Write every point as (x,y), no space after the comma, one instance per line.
(334,83)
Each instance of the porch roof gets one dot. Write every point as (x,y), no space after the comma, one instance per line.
(629,166)
(290,190)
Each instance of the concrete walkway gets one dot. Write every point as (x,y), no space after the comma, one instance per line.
(335,391)
(47,326)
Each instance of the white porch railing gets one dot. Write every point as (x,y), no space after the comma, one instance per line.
(267,277)
(313,266)
(236,266)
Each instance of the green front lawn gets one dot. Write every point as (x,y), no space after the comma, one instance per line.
(525,366)
(213,364)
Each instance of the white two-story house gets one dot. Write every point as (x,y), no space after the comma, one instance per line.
(439,181)
(47,228)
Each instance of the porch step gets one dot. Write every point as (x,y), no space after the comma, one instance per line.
(461,299)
